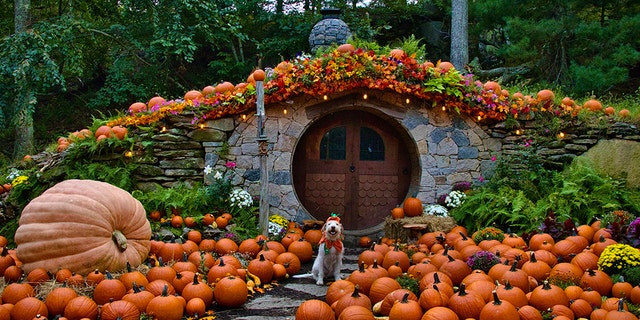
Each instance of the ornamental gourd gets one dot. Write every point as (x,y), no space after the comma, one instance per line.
(83,225)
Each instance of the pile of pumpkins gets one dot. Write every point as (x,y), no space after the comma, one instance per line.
(519,287)
(102,132)
(198,274)
(85,250)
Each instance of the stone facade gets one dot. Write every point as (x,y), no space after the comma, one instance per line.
(445,147)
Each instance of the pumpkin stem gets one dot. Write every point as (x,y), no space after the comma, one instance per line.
(464,237)
(496,300)
(436,288)
(436,278)
(513,266)
(165,292)
(5,252)
(135,287)
(195,279)
(591,272)
(546,285)
(356,291)
(361,267)
(451,259)
(405,298)
(507,285)
(108,275)
(261,257)
(375,263)
(119,239)
(462,292)
(533,257)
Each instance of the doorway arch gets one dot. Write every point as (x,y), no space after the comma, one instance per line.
(354,163)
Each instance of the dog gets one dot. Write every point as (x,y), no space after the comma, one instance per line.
(330,252)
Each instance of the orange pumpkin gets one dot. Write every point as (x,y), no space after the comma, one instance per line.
(397,54)
(346,48)
(259,75)
(412,207)
(137,107)
(157,100)
(397,213)
(193,95)
(67,216)
(546,95)
(593,105)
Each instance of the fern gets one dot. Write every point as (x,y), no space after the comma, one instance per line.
(504,208)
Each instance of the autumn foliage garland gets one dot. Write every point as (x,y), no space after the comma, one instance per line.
(338,72)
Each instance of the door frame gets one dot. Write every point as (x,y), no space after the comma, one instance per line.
(387,113)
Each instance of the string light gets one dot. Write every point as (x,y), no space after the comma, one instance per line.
(365,96)
(244,117)
(408,101)
(164,129)
(444,108)
(479,118)
(518,132)
(201,125)
(561,135)
(284,110)
(128,154)
(325,97)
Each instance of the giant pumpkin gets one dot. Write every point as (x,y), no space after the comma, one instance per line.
(83,225)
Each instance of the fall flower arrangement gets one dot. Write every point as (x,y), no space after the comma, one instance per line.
(336,72)
(617,257)
(277,226)
(488,233)
(483,260)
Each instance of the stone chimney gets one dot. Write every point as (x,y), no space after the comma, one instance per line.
(330,30)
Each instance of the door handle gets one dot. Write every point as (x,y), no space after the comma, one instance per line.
(352,168)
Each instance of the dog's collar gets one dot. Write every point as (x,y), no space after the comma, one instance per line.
(329,244)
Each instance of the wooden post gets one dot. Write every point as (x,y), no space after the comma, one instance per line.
(263,148)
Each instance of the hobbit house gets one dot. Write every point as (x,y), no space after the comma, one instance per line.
(352,133)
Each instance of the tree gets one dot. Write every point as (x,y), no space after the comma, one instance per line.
(24,102)
(459,34)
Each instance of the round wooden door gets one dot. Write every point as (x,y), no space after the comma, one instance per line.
(351,163)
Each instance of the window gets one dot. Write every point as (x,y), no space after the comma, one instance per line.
(371,145)
(333,145)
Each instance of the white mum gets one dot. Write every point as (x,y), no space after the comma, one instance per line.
(454,199)
(435,210)
(240,198)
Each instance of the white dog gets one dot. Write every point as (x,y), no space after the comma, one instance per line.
(330,251)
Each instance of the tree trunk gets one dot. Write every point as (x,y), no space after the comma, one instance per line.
(459,34)
(25,102)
